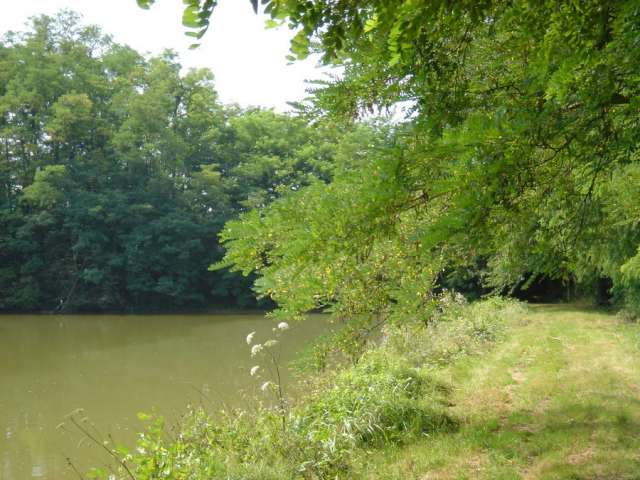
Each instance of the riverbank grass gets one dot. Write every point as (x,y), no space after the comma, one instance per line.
(558,399)
(490,390)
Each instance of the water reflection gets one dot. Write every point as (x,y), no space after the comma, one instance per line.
(115,367)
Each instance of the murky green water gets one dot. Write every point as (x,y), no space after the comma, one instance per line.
(114,367)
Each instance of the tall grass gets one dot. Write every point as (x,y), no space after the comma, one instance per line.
(457,329)
(388,398)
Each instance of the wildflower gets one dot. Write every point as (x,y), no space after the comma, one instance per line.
(460,298)
(254,370)
(283,326)
(256,349)
(264,386)
(250,338)
(270,343)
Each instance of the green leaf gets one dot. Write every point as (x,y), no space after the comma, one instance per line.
(145,3)
(371,24)
(300,45)
(190,17)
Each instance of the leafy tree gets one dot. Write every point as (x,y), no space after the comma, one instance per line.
(117,172)
(524,121)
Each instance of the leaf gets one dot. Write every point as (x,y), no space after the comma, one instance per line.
(300,45)
(142,416)
(145,3)
(190,17)
(371,24)
(395,59)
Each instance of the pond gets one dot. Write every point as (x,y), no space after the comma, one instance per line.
(114,367)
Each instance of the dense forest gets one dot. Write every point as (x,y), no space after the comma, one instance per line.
(117,172)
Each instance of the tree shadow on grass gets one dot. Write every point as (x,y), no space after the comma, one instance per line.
(591,440)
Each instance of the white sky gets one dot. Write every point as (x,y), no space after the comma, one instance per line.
(248,61)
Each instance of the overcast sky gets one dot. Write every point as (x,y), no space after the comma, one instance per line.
(248,61)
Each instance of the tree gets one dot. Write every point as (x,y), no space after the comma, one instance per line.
(118,171)
(524,121)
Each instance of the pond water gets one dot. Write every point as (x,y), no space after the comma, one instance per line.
(114,367)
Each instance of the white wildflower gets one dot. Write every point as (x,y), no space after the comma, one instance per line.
(270,343)
(256,349)
(283,326)
(460,299)
(265,385)
(250,338)
(254,370)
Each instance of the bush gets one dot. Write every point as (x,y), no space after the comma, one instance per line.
(456,330)
(378,402)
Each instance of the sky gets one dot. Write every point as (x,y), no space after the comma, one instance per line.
(248,61)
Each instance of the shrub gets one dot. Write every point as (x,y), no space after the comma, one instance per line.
(457,329)
(378,402)
(385,399)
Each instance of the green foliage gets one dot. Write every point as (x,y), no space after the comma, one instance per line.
(378,402)
(45,191)
(383,401)
(117,171)
(523,126)
(456,330)
(348,245)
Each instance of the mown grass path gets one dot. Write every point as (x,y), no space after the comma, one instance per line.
(558,399)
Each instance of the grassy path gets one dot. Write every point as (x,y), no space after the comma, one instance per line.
(559,399)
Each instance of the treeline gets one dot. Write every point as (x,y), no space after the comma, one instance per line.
(117,172)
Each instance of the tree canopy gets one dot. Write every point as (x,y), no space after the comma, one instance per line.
(519,157)
(117,171)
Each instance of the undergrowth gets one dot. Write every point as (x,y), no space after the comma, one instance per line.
(456,329)
(388,397)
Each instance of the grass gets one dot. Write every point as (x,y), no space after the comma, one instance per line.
(559,398)
(489,390)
